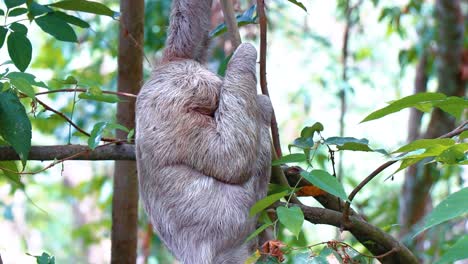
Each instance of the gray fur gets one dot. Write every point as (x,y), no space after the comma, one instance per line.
(203,151)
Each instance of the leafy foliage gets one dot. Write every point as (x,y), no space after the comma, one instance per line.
(56,23)
(453,206)
(424,102)
(15,127)
(248,17)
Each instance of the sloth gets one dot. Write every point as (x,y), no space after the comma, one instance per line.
(202,144)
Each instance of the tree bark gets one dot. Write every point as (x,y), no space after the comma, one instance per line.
(419,180)
(130,77)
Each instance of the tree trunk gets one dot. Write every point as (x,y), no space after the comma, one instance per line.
(419,180)
(130,74)
(410,191)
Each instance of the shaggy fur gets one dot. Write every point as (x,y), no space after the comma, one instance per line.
(203,145)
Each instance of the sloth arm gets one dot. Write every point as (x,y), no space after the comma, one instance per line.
(227,151)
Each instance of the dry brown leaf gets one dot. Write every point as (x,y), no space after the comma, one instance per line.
(273,248)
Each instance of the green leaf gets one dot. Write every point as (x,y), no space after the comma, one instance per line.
(296,157)
(84,6)
(453,206)
(277,188)
(15,127)
(31,79)
(264,218)
(354,146)
(326,182)
(20,50)
(3,33)
(463,135)
(13,178)
(257,232)
(265,202)
(350,143)
(309,131)
(408,162)
(96,134)
(72,19)
(17,12)
(223,66)
(18,27)
(268,260)
(107,98)
(425,144)
(14,3)
(5,86)
(45,259)
(23,86)
(340,141)
(424,107)
(454,154)
(299,4)
(36,9)
(292,218)
(57,27)
(306,258)
(302,143)
(326,251)
(456,252)
(98,130)
(453,106)
(248,17)
(2,13)
(408,101)
(130,135)
(112,126)
(70,80)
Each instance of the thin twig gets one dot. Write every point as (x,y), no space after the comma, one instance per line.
(343,244)
(344,78)
(263,79)
(46,107)
(71,90)
(457,131)
(134,41)
(71,117)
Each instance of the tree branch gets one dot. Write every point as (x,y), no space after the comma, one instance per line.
(231,22)
(263,79)
(377,241)
(110,152)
